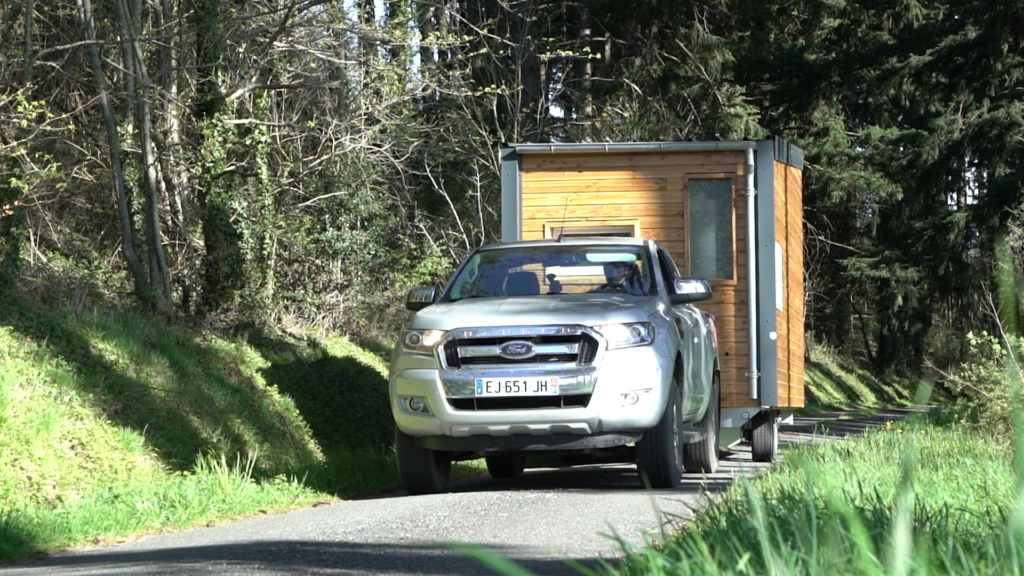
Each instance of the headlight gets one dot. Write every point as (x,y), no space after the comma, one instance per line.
(627,335)
(421,342)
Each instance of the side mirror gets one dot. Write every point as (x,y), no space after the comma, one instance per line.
(420,298)
(690,290)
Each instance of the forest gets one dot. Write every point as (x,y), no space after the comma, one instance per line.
(305,162)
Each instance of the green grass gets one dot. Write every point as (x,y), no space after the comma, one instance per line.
(215,490)
(113,423)
(913,499)
(833,382)
(174,392)
(340,389)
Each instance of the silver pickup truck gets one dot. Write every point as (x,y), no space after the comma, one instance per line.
(582,348)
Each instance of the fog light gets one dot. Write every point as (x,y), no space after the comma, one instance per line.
(630,398)
(415,404)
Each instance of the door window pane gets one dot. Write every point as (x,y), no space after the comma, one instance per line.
(711,240)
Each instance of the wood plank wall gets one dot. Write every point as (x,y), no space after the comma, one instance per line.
(649,189)
(789,235)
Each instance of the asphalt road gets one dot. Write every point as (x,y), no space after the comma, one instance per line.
(537,520)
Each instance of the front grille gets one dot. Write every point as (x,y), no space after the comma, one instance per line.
(538,359)
(520,402)
(580,349)
(451,356)
(588,350)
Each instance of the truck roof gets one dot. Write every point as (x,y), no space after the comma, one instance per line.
(578,241)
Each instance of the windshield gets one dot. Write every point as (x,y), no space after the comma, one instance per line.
(548,270)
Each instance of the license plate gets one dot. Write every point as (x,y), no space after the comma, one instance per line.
(517,386)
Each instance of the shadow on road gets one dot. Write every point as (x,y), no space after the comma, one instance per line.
(293,557)
(597,478)
(840,424)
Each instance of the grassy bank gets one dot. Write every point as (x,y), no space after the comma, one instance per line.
(915,498)
(114,423)
(836,382)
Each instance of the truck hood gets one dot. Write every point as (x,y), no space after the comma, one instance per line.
(584,309)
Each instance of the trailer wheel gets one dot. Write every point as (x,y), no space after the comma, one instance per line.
(505,466)
(764,437)
(702,455)
(422,470)
(659,454)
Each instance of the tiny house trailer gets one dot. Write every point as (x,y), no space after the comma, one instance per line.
(721,209)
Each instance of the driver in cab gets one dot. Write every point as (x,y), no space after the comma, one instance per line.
(624,277)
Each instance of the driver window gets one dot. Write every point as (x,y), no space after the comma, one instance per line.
(469,276)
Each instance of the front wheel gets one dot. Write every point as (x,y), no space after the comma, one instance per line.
(659,454)
(702,455)
(422,470)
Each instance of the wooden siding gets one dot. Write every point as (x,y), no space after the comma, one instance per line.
(789,235)
(649,190)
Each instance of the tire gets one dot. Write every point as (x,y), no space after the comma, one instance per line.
(702,456)
(423,471)
(764,438)
(505,466)
(659,454)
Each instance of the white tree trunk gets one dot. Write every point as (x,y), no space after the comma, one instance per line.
(128,247)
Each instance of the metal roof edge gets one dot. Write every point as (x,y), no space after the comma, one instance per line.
(575,241)
(789,153)
(615,147)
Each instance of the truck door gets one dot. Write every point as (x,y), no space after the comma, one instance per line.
(692,338)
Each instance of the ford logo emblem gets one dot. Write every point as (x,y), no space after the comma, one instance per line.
(517,350)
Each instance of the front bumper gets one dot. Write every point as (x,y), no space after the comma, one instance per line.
(617,373)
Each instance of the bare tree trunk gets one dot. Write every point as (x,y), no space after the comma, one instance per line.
(426,13)
(585,100)
(863,333)
(159,273)
(30,12)
(441,14)
(530,98)
(205,18)
(128,247)
(367,32)
(174,175)
(397,14)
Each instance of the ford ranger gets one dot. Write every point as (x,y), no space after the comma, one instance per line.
(578,347)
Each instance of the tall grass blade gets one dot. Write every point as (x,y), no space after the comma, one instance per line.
(760,527)
(902,537)
(812,513)
(855,529)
